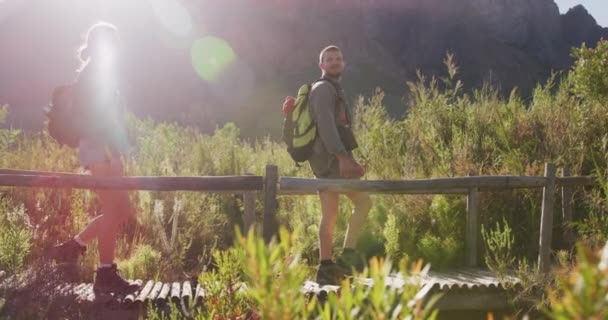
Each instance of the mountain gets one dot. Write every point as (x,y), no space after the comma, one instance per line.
(578,26)
(515,43)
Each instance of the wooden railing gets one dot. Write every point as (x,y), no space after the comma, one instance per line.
(272,186)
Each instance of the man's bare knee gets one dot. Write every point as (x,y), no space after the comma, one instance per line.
(329,201)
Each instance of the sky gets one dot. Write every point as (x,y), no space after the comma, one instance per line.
(597,8)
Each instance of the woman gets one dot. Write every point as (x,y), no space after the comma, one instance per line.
(102,143)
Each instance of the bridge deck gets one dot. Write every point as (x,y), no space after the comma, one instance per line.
(462,289)
(470,286)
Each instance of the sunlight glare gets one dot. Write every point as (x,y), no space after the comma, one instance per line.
(173,16)
(211,56)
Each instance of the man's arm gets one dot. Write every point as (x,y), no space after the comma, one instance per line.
(323,104)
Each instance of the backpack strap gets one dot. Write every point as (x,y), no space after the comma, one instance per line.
(338,90)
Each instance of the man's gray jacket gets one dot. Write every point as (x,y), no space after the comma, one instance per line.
(328,109)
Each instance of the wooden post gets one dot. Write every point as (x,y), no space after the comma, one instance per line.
(271,179)
(249,208)
(472,228)
(567,209)
(546,223)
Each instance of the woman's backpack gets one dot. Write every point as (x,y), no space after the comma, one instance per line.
(62,120)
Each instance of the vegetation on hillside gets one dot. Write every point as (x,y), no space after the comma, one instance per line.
(446,133)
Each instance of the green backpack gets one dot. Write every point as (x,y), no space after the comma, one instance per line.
(299,128)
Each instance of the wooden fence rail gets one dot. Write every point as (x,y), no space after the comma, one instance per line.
(232,184)
(272,185)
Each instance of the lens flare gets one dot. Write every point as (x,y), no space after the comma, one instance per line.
(211,56)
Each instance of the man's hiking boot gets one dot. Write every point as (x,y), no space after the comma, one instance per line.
(108,280)
(329,274)
(350,260)
(67,252)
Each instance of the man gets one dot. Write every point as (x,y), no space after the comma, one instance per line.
(332,159)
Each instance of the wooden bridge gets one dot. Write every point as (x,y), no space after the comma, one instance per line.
(464,283)
(463,289)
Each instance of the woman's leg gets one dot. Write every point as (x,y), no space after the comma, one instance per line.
(116,210)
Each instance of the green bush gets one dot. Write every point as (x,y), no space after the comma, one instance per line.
(144,263)
(498,243)
(590,72)
(15,238)
(440,251)
(581,293)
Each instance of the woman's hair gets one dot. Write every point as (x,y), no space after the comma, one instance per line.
(95,34)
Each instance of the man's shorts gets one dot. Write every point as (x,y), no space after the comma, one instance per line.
(332,172)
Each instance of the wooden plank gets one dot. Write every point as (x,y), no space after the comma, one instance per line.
(84,293)
(39,173)
(473,300)
(175,292)
(186,293)
(468,278)
(567,202)
(395,281)
(472,278)
(404,186)
(422,294)
(164,293)
(310,287)
(580,181)
(249,210)
(91,296)
(154,292)
(129,299)
(231,184)
(546,224)
(200,294)
(472,227)
(271,179)
(141,297)
(77,290)
(63,289)
(309,192)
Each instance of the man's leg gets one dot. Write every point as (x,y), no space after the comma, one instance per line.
(329,216)
(362,205)
(328,272)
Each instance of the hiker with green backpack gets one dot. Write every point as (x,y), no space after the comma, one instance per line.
(318,129)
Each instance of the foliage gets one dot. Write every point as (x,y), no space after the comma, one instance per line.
(15,238)
(581,293)
(447,132)
(499,243)
(143,263)
(590,72)
(254,280)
